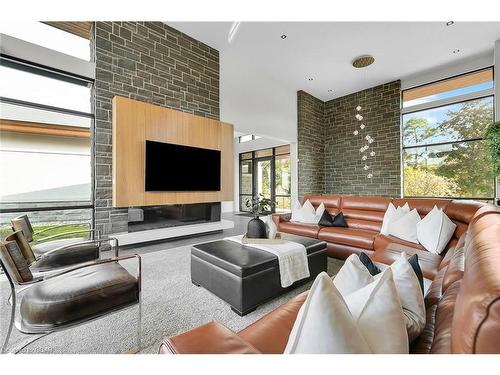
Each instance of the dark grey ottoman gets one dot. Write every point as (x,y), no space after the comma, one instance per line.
(246,277)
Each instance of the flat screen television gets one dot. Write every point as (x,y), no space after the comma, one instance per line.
(171,167)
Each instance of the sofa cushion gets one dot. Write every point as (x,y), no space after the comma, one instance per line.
(300,229)
(348,236)
(444,319)
(428,262)
(455,269)
(381,242)
(423,206)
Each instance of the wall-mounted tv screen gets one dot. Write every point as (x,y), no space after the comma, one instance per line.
(171,167)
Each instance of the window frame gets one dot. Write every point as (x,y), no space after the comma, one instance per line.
(254,159)
(442,103)
(68,77)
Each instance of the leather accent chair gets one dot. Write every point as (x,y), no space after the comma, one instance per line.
(50,303)
(462,299)
(55,252)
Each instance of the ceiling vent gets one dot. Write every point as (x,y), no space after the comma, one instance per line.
(363,61)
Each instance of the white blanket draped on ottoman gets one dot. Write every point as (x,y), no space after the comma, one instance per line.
(292,259)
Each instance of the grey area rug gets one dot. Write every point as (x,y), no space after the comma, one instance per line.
(171,304)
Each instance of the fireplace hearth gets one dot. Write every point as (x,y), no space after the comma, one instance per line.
(156,217)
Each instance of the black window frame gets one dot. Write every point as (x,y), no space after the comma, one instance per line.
(436,104)
(254,159)
(45,71)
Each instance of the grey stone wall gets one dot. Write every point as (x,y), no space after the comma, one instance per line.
(310,145)
(344,172)
(329,157)
(154,63)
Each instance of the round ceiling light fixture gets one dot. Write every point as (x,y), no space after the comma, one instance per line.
(363,61)
(450,23)
(283,36)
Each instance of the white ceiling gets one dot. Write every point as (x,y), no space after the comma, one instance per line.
(325,50)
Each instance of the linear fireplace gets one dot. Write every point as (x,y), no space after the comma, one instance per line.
(156,217)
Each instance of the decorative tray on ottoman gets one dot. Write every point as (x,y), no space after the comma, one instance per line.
(278,240)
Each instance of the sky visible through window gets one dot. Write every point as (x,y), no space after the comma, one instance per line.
(47,36)
(449,94)
(435,117)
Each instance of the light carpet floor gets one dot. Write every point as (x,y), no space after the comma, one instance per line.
(171,304)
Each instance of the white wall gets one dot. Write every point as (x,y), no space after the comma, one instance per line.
(255,104)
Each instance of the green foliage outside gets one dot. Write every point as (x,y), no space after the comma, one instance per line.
(492,137)
(463,169)
(6,230)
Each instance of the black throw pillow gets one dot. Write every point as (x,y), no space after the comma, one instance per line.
(328,221)
(372,268)
(413,260)
(338,220)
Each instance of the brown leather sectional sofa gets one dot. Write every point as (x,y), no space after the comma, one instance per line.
(364,216)
(462,301)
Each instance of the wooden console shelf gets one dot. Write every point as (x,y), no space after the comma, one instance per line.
(134,122)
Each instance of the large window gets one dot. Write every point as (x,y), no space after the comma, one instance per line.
(443,125)
(45,141)
(266,173)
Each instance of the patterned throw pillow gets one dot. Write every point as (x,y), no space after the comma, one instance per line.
(14,261)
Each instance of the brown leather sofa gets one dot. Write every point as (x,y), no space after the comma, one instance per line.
(364,216)
(462,301)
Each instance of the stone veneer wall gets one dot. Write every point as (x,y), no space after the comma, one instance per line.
(153,63)
(335,162)
(310,145)
(344,172)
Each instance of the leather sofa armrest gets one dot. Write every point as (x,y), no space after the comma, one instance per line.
(211,338)
(280,218)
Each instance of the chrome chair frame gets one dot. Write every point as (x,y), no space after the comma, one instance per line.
(44,332)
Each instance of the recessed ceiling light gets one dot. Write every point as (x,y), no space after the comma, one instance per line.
(310,79)
(283,36)
(363,61)
(456,51)
(450,23)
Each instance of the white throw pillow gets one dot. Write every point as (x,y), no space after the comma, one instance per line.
(319,212)
(324,324)
(296,211)
(352,276)
(435,230)
(389,213)
(405,227)
(410,296)
(392,214)
(377,311)
(308,213)
(271,228)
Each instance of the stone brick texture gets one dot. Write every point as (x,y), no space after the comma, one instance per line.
(343,171)
(311,144)
(153,63)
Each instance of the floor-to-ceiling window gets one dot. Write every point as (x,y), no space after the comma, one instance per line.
(266,173)
(46,121)
(443,125)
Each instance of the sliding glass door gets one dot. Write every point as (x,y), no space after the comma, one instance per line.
(266,173)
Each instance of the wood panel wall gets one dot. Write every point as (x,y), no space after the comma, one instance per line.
(134,122)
